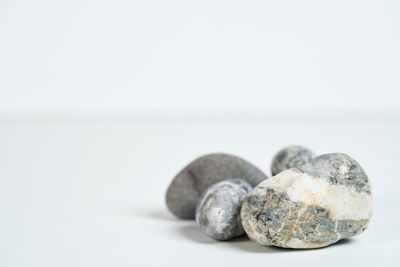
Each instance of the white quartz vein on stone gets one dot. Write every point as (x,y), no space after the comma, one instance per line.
(336,231)
(342,202)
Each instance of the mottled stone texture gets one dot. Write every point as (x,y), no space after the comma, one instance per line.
(327,200)
(338,168)
(185,189)
(291,157)
(218,210)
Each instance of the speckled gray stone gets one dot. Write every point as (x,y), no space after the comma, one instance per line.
(185,189)
(338,168)
(218,210)
(324,201)
(291,157)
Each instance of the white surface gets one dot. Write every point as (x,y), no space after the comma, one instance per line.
(162,82)
(199,55)
(90,192)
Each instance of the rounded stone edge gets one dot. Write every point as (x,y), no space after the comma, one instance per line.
(187,212)
(244,188)
(360,225)
(295,150)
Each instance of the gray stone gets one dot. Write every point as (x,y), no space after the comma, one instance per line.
(337,168)
(218,210)
(185,189)
(324,201)
(291,157)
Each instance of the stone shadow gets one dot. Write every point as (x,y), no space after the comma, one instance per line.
(190,230)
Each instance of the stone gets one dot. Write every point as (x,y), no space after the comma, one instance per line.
(314,206)
(218,210)
(184,191)
(291,157)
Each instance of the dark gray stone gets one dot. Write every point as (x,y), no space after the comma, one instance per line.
(291,157)
(218,210)
(184,191)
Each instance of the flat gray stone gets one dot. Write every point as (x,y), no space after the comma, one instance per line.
(184,191)
(326,200)
(291,157)
(218,210)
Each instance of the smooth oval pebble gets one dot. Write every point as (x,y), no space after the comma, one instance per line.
(291,157)
(218,210)
(327,200)
(184,191)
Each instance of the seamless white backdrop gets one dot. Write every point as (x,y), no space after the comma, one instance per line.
(198,55)
(103,102)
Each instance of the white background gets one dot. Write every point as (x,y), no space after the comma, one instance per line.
(153,56)
(103,102)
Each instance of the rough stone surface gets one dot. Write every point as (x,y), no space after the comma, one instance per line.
(337,168)
(187,186)
(218,210)
(327,200)
(291,157)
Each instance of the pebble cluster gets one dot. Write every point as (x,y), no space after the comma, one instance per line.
(185,189)
(310,202)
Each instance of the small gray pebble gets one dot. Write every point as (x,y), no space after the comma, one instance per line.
(184,191)
(218,210)
(291,157)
